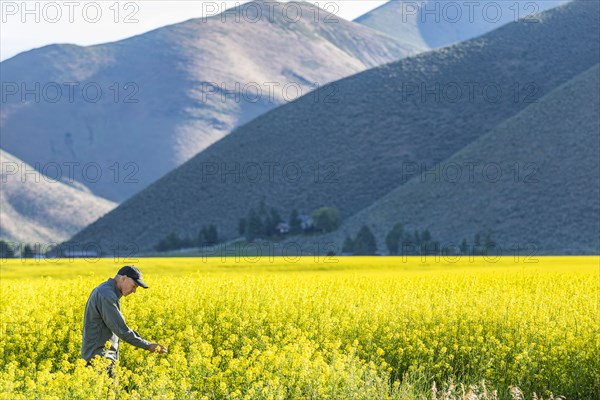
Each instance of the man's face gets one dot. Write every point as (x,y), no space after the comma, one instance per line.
(128,286)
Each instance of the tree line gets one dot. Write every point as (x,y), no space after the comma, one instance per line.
(400,241)
(260,222)
(207,236)
(8,251)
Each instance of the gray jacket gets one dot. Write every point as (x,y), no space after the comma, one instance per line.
(104,322)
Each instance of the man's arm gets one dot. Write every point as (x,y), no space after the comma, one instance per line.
(114,320)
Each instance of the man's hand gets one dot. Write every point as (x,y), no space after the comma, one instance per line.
(157,348)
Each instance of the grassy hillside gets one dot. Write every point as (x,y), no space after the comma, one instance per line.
(350,143)
(41,209)
(534,181)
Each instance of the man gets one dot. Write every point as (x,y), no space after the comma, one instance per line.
(104,322)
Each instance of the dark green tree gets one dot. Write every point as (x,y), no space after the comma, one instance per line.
(208,235)
(365,243)
(428,245)
(327,219)
(262,209)
(161,245)
(464,247)
(348,246)
(213,234)
(409,246)
(392,240)
(271,222)
(27,252)
(6,250)
(171,242)
(254,229)
(426,236)
(294,222)
(174,242)
(417,238)
(489,248)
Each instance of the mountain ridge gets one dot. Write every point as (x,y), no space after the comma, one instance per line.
(359,144)
(206,77)
(434,23)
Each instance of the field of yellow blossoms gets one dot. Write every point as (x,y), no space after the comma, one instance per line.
(312,328)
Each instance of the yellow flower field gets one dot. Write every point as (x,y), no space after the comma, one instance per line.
(311,328)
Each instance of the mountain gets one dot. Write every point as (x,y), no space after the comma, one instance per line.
(137,108)
(355,140)
(36,208)
(439,23)
(534,181)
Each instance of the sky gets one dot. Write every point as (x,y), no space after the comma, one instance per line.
(32,24)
